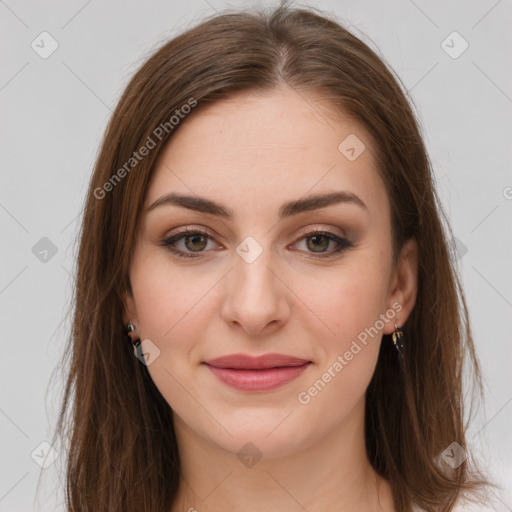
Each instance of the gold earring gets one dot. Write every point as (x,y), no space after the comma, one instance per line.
(130,329)
(397,339)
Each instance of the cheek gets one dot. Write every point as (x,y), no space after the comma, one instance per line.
(169,305)
(168,298)
(349,304)
(347,358)
(345,302)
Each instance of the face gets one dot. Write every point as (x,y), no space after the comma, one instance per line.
(313,281)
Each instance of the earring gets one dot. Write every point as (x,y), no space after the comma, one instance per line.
(397,339)
(130,329)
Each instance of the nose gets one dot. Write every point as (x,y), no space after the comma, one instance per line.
(255,296)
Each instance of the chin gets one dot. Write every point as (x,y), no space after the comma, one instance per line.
(259,446)
(263,437)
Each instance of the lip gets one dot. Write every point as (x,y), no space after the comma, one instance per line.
(263,373)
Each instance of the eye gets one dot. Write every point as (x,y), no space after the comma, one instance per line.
(318,242)
(196,241)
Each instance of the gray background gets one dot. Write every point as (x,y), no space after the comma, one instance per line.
(54,111)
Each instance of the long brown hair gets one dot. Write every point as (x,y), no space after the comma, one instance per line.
(121,448)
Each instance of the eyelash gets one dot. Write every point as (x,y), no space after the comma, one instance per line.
(168,242)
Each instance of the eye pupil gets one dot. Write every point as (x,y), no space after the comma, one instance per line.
(195,238)
(317,245)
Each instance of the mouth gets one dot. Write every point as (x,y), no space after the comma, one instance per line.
(264,373)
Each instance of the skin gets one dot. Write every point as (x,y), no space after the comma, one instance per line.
(252,153)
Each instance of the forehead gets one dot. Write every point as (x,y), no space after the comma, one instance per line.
(256,151)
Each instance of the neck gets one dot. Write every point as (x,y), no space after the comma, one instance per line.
(333,474)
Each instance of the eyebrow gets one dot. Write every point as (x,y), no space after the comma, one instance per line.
(312,202)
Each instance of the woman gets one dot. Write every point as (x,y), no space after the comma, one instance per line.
(262,222)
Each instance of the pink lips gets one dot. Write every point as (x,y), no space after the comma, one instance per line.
(263,373)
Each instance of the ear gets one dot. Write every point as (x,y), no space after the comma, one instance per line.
(404,285)
(129,310)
